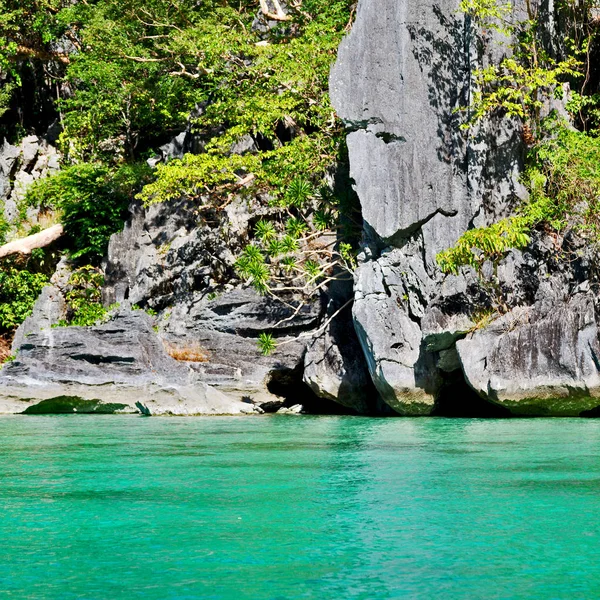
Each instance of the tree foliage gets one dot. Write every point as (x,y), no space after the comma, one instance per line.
(84,298)
(520,83)
(92,200)
(19,289)
(126,76)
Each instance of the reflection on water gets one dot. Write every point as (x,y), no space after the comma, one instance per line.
(286,507)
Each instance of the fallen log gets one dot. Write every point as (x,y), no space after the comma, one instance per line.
(24,246)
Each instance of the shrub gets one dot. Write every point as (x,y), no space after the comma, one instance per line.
(563,178)
(19,290)
(84,298)
(93,200)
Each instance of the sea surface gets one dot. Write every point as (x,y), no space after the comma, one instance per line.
(289,507)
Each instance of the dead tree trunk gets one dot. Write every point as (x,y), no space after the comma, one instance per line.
(278,15)
(24,246)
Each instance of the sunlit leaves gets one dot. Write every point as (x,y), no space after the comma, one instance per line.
(290,244)
(517,86)
(265,230)
(295,227)
(520,84)
(323,219)
(194,175)
(276,247)
(93,201)
(484,243)
(490,14)
(298,192)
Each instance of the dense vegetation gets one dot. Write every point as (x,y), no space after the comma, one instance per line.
(124,77)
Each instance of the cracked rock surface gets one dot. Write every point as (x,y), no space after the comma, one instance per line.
(422,182)
(108,368)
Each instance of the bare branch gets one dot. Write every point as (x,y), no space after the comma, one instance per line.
(278,15)
(143,59)
(24,246)
(322,328)
(26,52)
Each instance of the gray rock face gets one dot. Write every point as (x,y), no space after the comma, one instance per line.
(169,260)
(50,307)
(20,166)
(388,308)
(119,363)
(538,360)
(400,76)
(48,310)
(227,328)
(335,367)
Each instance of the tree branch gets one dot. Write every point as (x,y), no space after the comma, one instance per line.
(278,15)
(25,245)
(26,52)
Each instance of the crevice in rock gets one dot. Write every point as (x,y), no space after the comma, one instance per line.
(357,125)
(401,237)
(390,138)
(97,359)
(458,400)
(289,385)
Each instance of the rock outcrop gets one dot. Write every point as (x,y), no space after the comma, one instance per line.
(400,77)
(517,338)
(182,267)
(34,158)
(108,368)
(538,360)
(334,365)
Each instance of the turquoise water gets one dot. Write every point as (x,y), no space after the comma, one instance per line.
(298,507)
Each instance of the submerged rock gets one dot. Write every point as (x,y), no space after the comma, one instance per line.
(66,405)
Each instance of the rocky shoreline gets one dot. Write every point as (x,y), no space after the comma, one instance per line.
(416,342)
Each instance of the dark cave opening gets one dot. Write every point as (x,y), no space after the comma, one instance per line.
(458,400)
(289,386)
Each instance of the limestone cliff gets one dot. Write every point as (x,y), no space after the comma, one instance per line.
(416,341)
(422,181)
